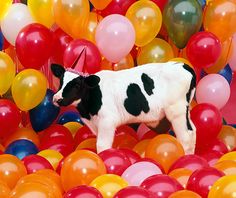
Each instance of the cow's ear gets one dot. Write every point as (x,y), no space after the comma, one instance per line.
(57,70)
(92,81)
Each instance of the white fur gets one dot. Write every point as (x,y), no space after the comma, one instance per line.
(171,81)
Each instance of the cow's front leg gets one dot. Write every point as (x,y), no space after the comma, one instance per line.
(178,115)
(105,136)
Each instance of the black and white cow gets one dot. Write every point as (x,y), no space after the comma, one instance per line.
(144,94)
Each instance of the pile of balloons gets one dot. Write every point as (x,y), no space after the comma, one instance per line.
(47,151)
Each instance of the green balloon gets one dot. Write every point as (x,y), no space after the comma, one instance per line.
(182,19)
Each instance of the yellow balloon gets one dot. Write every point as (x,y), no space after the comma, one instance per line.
(42,11)
(225,187)
(228,156)
(90,27)
(4,6)
(100,4)
(73,127)
(54,157)
(147,20)
(7,72)
(28,89)
(158,51)
(71,15)
(182,60)
(109,184)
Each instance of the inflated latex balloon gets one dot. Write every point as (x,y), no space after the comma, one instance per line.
(8,174)
(181,175)
(100,5)
(182,19)
(17,18)
(4,5)
(225,13)
(164,149)
(43,115)
(34,45)
(69,116)
(115,37)
(4,190)
(42,11)
(71,15)
(232,60)
(86,165)
(213,89)
(124,141)
(184,194)
(141,146)
(1,40)
(28,89)
(9,113)
(7,72)
(224,187)
(157,51)
(182,60)
(203,49)
(134,191)
(228,136)
(226,166)
(132,155)
(212,157)
(83,191)
(109,184)
(227,73)
(228,156)
(147,19)
(160,3)
(82,134)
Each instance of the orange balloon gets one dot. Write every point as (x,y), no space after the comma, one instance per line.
(157,51)
(228,136)
(181,175)
(89,143)
(219,18)
(52,175)
(193,104)
(125,63)
(11,169)
(184,194)
(100,5)
(4,190)
(90,27)
(32,190)
(41,179)
(182,60)
(164,149)
(124,140)
(22,133)
(71,15)
(228,156)
(81,167)
(226,53)
(109,184)
(141,146)
(227,166)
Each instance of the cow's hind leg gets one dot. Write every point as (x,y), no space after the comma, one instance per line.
(178,115)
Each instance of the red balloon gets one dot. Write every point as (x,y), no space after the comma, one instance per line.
(203,49)
(212,157)
(216,145)
(61,40)
(34,163)
(208,122)
(10,117)
(191,162)
(84,55)
(124,129)
(162,185)
(115,161)
(132,155)
(134,192)
(202,180)
(83,192)
(160,3)
(134,52)
(117,7)
(60,164)
(82,134)
(149,135)
(34,45)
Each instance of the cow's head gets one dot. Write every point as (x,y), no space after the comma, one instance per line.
(73,87)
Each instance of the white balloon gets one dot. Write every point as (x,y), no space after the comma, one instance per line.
(17,18)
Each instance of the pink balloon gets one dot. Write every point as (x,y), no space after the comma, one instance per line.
(138,172)
(115,37)
(232,61)
(213,89)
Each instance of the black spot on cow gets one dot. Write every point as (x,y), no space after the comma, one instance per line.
(148,84)
(58,71)
(193,81)
(187,119)
(135,102)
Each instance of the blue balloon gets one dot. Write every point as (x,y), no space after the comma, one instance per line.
(21,148)
(42,116)
(227,73)
(91,6)
(69,116)
(202,3)
(1,41)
